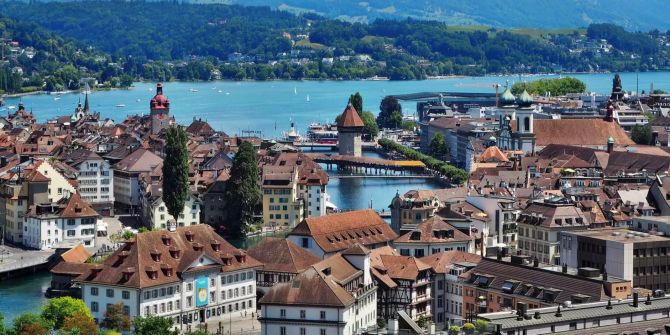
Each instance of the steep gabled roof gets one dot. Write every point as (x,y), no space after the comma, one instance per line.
(282,255)
(141,160)
(580,132)
(350,118)
(434,230)
(441,262)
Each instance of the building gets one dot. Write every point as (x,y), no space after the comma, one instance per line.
(496,285)
(350,129)
(69,221)
(155,214)
(447,285)
(639,257)
(191,275)
(412,208)
(159,107)
(540,225)
(282,261)
(282,205)
(638,315)
(523,137)
(335,296)
(403,285)
(327,235)
(19,188)
(126,176)
(433,236)
(502,213)
(95,178)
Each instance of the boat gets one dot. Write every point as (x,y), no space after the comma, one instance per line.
(307,98)
(11,107)
(322,133)
(291,136)
(193,90)
(227,93)
(138,100)
(57,98)
(220,91)
(120,105)
(295,90)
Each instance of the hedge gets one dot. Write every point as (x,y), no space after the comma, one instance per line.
(456,176)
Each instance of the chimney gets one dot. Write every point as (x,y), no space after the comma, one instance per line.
(610,145)
(564,268)
(635,299)
(482,244)
(604,275)
(609,304)
(558,312)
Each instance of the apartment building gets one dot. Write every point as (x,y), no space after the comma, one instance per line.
(154,211)
(126,176)
(412,208)
(282,204)
(95,177)
(433,236)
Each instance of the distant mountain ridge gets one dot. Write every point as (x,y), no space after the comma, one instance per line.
(642,15)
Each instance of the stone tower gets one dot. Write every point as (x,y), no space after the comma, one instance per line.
(160,111)
(350,129)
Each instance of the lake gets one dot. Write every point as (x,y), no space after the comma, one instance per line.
(270,106)
(23,294)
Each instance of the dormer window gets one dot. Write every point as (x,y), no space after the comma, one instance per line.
(167,240)
(167,270)
(175,253)
(197,246)
(189,236)
(216,245)
(156,255)
(127,273)
(152,272)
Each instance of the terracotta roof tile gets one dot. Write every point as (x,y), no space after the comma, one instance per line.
(350,118)
(580,132)
(78,254)
(282,255)
(434,230)
(441,262)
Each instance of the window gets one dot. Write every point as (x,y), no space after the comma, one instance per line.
(322,315)
(282,313)
(126,310)
(282,330)
(303,331)
(303,314)
(94,291)
(71,233)
(147,295)
(110,293)
(94,306)
(125,295)
(322,331)
(305,242)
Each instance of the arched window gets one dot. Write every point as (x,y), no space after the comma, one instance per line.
(526,124)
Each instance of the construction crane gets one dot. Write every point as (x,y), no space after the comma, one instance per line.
(495,86)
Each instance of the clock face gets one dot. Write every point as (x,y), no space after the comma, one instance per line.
(202,294)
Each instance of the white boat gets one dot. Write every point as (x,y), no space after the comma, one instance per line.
(120,105)
(11,107)
(295,90)
(227,93)
(307,97)
(292,135)
(193,90)
(220,91)
(57,98)
(138,100)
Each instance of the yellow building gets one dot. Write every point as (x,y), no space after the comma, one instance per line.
(283,207)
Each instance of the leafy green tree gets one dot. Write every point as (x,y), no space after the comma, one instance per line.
(243,193)
(58,309)
(481,325)
(116,319)
(641,134)
(80,324)
(370,128)
(438,146)
(154,325)
(386,108)
(395,121)
(556,86)
(659,91)
(357,101)
(454,330)
(127,235)
(31,324)
(3,329)
(175,172)
(125,80)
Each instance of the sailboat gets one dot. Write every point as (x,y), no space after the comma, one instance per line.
(307,97)
(295,90)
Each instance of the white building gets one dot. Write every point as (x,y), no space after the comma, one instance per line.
(70,220)
(95,177)
(156,216)
(336,296)
(433,236)
(502,214)
(191,275)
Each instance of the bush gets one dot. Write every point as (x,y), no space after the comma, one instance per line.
(456,176)
(468,328)
(482,325)
(454,330)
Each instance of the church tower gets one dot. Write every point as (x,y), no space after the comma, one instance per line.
(525,118)
(350,129)
(160,111)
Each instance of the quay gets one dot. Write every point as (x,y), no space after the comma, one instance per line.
(15,261)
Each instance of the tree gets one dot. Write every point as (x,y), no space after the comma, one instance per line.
(154,325)
(31,324)
(641,134)
(395,121)
(82,323)
(357,101)
(175,172)
(370,128)
(438,147)
(58,309)
(242,191)
(125,80)
(556,86)
(116,318)
(386,108)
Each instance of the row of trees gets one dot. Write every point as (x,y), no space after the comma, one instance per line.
(455,175)
(555,86)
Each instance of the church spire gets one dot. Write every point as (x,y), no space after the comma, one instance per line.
(86,107)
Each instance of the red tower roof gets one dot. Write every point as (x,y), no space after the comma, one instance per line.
(350,118)
(159,101)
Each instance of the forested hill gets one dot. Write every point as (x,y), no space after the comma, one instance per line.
(541,14)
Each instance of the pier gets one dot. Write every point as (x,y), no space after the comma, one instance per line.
(14,261)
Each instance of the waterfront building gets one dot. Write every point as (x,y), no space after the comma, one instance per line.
(447,285)
(69,221)
(126,176)
(636,256)
(335,296)
(404,284)
(159,107)
(540,225)
(95,177)
(640,314)
(496,285)
(282,261)
(282,205)
(191,275)
(432,236)
(326,235)
(412,208)
(350,129)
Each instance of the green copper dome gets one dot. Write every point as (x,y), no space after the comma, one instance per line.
(525,100)
(507,98)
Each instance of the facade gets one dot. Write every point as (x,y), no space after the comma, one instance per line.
(160,111)
(404,284)
(95,178)
(641,258)
(70,221)
(327,235)
(350,129)
(412,208)
(282,205)
(434,236)
(540,226)
(282,261)
(156,216)
(502,213)
(19,188)
(126,176)
(191,275)
(336,296)
(447,285)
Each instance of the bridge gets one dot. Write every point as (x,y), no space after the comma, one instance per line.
(351,165)
(15,260)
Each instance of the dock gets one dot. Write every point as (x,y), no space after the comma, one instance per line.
(15,261)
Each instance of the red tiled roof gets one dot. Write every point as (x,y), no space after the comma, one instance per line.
(350,118)
(580,132)
(78,254)
(282,255)
(434,230)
